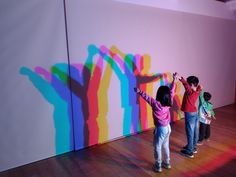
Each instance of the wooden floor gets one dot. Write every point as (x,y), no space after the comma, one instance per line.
(133,156)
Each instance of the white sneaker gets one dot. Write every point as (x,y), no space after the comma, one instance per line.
(166,165)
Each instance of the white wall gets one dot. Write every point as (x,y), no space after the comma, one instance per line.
(187,43)
(34,112)
(32,34)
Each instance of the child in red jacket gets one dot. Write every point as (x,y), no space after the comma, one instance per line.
(191,94)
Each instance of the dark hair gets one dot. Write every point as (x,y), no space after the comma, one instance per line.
(193,80)
(163,96)
(207,96)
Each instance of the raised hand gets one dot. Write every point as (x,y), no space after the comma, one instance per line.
(176,76)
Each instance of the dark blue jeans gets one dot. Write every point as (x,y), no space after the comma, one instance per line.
(191,128)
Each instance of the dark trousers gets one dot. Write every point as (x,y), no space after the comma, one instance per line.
(204,131)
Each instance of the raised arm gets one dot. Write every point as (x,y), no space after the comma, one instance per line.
(201,99)
(186,85)
(173,84)
(146,97)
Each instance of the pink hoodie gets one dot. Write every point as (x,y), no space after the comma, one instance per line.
(161,114)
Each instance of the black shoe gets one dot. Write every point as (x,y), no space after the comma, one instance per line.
(186,153)
(194,151)
(157,168)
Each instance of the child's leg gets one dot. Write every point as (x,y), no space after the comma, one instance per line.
(189,127)
(208,131)
(166,146)
(158,141)
(196,131)
(202,130)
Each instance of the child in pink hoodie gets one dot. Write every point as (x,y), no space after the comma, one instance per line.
(161,116)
